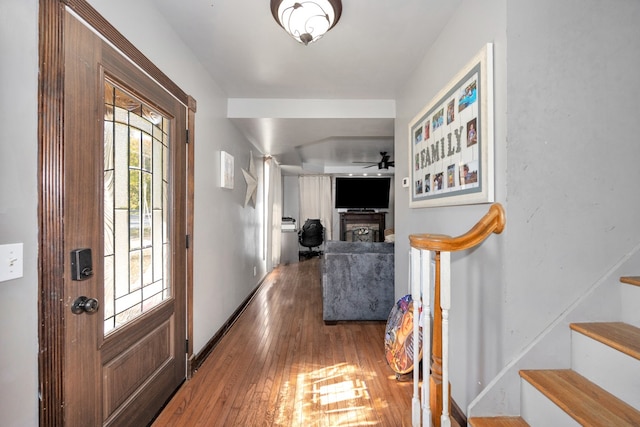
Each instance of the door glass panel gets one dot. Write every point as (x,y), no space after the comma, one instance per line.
(136,245)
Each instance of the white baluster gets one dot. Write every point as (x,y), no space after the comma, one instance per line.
(415,295)
(425,280)
(445,304)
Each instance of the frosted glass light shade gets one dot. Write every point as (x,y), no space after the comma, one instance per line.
(306,21)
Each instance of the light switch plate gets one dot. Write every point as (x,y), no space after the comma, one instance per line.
(11,261)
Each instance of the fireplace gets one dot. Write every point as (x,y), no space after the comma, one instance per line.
(362,226)
(362,233)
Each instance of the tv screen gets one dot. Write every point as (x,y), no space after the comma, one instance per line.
(362,193)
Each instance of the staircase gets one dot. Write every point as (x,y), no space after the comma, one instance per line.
(602,388)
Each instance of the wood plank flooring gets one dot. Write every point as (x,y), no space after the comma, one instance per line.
(280,365)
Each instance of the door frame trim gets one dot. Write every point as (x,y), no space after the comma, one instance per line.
(51,299)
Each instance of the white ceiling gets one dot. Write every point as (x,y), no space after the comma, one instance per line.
(367,56)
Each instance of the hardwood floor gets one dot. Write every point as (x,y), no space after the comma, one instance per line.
(280,365)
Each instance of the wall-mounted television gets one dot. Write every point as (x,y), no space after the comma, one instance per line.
(362,193)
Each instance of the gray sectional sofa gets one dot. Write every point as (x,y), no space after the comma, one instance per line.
(357,281)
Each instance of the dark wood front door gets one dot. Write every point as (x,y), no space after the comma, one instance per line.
(124,199)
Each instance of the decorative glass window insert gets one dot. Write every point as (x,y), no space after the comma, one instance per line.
(136,244)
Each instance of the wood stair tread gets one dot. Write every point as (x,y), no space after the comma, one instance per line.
(583,400)
(621,336)
(497,422)
(631,280)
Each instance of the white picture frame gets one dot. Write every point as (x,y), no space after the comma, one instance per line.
(226,170)
(451,140)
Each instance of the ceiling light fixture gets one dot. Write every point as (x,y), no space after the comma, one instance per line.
(306,21)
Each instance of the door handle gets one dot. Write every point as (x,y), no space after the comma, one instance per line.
(85,305)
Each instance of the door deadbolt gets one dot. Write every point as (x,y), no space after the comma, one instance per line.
(85,305)
(81,264)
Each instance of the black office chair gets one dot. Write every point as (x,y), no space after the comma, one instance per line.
(311,235)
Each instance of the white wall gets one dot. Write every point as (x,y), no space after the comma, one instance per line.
(18,210)
(573,156)
(477,275)
(566,170)
(572,178)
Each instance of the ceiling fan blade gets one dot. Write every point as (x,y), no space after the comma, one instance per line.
(384,163)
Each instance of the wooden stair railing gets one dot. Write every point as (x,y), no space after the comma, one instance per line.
(434,405)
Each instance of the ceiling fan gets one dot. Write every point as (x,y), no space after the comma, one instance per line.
(384,162)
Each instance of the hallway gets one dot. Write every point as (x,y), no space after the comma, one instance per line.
(280,365)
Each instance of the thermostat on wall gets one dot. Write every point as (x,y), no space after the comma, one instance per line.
(405,182)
